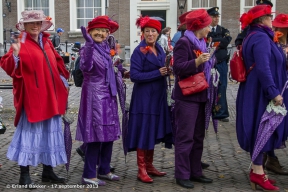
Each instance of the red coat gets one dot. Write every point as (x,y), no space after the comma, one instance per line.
(37,88)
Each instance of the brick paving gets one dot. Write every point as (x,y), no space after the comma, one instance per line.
(228,162)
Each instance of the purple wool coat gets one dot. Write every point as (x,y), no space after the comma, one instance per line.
(149,117)
(98,119)
(263,84)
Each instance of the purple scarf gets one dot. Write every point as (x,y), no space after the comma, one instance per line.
(110,75)
(200,44)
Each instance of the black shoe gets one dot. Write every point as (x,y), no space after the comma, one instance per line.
(112,169)
(25,178)
(204,165)
(201,179)
(81,153)
(48,175)
(224,120)
(185,183)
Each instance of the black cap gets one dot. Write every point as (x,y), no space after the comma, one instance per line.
(213,11)
(264,2)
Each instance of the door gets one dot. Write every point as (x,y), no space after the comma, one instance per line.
(158,14)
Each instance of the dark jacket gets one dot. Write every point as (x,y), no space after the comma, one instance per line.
(185,66)
(56,41)
(221,35)
(241,36)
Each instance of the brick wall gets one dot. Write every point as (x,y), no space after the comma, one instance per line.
(121,9)
(230,15)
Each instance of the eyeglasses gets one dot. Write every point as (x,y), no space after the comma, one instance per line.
(35,23)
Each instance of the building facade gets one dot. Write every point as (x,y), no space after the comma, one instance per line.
(71,14)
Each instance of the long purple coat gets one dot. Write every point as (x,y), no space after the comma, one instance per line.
(149,118)
(98,119)
(263,84)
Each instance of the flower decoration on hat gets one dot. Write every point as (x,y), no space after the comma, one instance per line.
(283,18)
(196,24)
(48,18)
(141,21)
(245,20)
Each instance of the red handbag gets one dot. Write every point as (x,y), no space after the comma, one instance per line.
(193,84)
(237,66)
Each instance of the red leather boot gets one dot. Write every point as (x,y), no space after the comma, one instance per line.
(142,173)
(262,181)
(151,170)
(272,181)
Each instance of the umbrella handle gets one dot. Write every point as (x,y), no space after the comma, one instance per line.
(285,87)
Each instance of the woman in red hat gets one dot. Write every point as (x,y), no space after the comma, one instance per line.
(265,81)
(191,57)
(149,120)
(98,122)
(280,25)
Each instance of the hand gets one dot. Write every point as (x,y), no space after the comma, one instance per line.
(127,74)
(278,100)
(16,47)
(169,71)
(202,58)
(86,35)
(163,71)
(209,39)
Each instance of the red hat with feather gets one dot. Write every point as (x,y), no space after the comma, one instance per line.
(146,21)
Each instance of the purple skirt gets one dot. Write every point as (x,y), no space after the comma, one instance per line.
(35,143)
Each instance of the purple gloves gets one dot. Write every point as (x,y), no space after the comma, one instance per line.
(86,36)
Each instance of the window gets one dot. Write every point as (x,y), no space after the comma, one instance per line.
(204,4)
(153,0)
(46,5)
(87,10)
(83,11)
(37,5)
(196,4)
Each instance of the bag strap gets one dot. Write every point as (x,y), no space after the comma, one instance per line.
(252,66)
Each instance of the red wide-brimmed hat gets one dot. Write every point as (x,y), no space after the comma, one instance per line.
(33,16)
(254,13)
(146,21)
(182,19)
(280,21)
(103,22)
(197,19)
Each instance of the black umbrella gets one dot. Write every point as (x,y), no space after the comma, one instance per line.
(157,18)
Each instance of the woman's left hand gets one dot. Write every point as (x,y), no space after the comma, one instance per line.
(278,100)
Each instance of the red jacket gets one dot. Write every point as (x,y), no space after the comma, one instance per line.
(37,88)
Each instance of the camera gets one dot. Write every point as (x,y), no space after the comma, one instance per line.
(14,37)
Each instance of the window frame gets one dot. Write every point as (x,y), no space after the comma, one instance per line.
(73,16)
(219,4)
(21,7)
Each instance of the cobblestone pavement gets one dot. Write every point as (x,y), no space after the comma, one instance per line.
(228,162)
